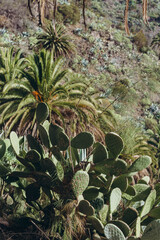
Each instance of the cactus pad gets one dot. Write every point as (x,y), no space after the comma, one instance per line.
(91,193)
(152,231)
(62,141)
(96,223)
(85,207)
(2,148)
(42,112)
(148,203)
(33,156)
(80,182)
(129,215)
(121,182)
(112,232)
(122,226)
(142,192)
(54,131)
(115,198)
(15,142)
(114,144)
(32,192)
(44,136)
(34,144)
(97,203)
(140,163)
(82,140)
(99,153)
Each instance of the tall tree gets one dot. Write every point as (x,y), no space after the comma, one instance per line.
(41,9)
(145,17)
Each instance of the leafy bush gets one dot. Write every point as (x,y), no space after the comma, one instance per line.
(70,13)
(141,41)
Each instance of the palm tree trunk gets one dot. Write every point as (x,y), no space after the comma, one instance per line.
(84,15)
(145,18)
(29,7)
(126,17)
(39,13)
(42,9)
(54,14)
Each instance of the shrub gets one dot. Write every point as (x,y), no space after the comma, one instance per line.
(141,41)
(121,88)
(151,123)
(70,13)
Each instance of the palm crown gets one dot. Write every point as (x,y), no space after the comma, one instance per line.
(56,39)
(44,79)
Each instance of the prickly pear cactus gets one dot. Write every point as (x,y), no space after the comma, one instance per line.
(44,136)
(54,131)
(121,182)
(148,203)
(122,226)
(129,216)
(42,112)
(96,223)
(15,142)
(152,231)
(140,163)
(115,199)
(114,144)
(80,182)
(91,193)
(82,140)
(100,153)
(34,144)
(112,232)
(2,148)
(97,203)
(62,141)
(33,156)
(85,207)
(32,192)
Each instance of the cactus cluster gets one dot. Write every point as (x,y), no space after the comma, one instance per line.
(98,190)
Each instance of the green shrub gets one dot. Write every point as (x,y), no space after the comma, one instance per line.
(121,88)
(112,69)
(146,102)
(70,13)
(151,123)
(141,41)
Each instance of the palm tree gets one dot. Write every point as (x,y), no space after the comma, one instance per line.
(56,39)
(145,17)
(41,9)
(10,63)
(44,80)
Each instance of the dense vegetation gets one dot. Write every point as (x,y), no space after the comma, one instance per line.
(79,120)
